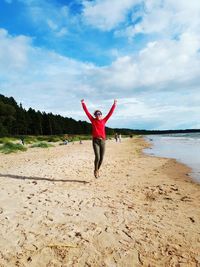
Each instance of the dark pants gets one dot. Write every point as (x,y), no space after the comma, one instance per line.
(99,150)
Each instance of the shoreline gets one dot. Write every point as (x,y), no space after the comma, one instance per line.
(177,149)
(184,170)
(142,211)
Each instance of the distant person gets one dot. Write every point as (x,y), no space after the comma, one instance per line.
(80,142)
(22,140)
(116,137)
(98,134)
(120,138)
(65,142)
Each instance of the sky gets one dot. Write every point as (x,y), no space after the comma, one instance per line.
(144,53)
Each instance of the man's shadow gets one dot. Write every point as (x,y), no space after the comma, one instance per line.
(41,179)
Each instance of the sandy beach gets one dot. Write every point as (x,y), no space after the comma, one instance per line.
(142,211)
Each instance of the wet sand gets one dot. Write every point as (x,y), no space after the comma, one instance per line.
(142,211)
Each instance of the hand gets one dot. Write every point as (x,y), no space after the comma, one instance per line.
(82,100)
(115,101)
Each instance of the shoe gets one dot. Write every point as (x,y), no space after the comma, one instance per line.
(95,174)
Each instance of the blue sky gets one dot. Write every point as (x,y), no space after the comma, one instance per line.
(144,53)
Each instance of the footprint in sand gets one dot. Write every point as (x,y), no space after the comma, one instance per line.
(192,219)
(186,199)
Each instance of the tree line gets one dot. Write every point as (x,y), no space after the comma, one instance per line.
(15,120)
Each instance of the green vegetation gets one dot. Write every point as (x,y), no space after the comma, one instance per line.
(29,139)
(51,138)
(11,144)
(74,138)
(15,121)
(42,145)
(10,148)
(54,138)
(4,140)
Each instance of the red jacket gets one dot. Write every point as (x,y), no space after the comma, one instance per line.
(98,126)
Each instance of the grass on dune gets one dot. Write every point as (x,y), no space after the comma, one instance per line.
(11,148)
(51,138)
(42,145)
(30,139)
(74,138)
(4,140)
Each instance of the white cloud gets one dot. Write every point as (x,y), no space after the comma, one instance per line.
(159,65)
(13,52)
(106,14)
(167,18)
(145,111)
(159,86)
(33,74)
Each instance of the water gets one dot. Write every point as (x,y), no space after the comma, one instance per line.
(183,147)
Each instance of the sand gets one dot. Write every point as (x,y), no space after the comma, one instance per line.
(142,211)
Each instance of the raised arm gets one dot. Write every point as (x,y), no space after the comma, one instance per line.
(86,110)
(111,111)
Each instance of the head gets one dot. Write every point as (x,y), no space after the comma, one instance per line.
(98,114)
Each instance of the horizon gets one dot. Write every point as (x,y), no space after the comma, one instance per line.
(145,54)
